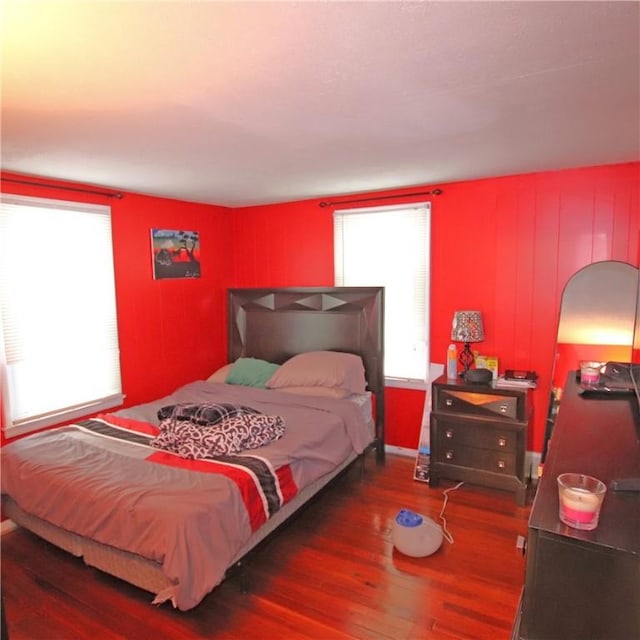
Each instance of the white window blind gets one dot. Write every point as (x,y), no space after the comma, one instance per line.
(59,348)
(389,246)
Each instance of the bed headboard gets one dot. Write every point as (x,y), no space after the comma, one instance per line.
(276,324)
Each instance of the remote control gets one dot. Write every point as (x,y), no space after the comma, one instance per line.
(626,484)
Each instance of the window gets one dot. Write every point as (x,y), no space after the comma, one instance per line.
(59,354)
(389,246)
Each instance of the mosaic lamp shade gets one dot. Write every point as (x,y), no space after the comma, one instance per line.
(467,327)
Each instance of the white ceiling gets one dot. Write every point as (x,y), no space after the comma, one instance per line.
(239,103)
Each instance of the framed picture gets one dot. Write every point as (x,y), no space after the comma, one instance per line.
(175,254)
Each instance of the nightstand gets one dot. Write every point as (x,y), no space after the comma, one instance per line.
(478,435)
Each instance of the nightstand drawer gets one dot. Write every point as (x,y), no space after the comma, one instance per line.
(452,433)
(486,459)
(488,404)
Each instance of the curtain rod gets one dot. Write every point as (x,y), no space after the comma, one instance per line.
(433,192)
(108,194)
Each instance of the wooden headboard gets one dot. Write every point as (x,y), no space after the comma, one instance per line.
(276,324)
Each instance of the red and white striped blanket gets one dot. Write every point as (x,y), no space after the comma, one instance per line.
(263,489)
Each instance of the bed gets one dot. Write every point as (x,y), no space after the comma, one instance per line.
(173,523)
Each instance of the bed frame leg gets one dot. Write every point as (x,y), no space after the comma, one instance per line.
(243,577)
(362,459)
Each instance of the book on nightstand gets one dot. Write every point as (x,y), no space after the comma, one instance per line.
(521,375)
(514,383)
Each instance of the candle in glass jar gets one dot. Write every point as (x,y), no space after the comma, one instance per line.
(589,372)
(589,376)
(579,504)
(581,497)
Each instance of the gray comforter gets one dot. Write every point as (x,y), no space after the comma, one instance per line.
(192,523)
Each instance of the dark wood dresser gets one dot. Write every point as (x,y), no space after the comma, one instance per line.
(585,585)
(478,434)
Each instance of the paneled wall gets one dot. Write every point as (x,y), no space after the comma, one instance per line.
(171,331)
(505,246)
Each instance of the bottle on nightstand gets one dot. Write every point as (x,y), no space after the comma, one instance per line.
(452,362)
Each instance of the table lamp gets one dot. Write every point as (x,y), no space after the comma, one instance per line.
(467,328)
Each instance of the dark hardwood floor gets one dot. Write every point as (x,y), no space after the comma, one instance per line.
(331,574)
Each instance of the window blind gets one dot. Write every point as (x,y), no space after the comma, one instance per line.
(389,246)
(58,319)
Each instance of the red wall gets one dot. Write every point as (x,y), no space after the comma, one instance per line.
(171,331)
(506,246)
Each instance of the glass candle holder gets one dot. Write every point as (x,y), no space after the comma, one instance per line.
(581,498)
(589,372)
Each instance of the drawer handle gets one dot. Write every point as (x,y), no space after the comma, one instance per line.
(503,408)
(449,455)
(449,402)
(449,433)
(502,442)
(501,464)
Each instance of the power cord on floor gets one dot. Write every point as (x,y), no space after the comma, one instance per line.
(448,537)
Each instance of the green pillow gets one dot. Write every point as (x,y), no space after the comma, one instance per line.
(251,372)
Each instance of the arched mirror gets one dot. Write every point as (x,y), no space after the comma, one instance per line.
(598,323)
